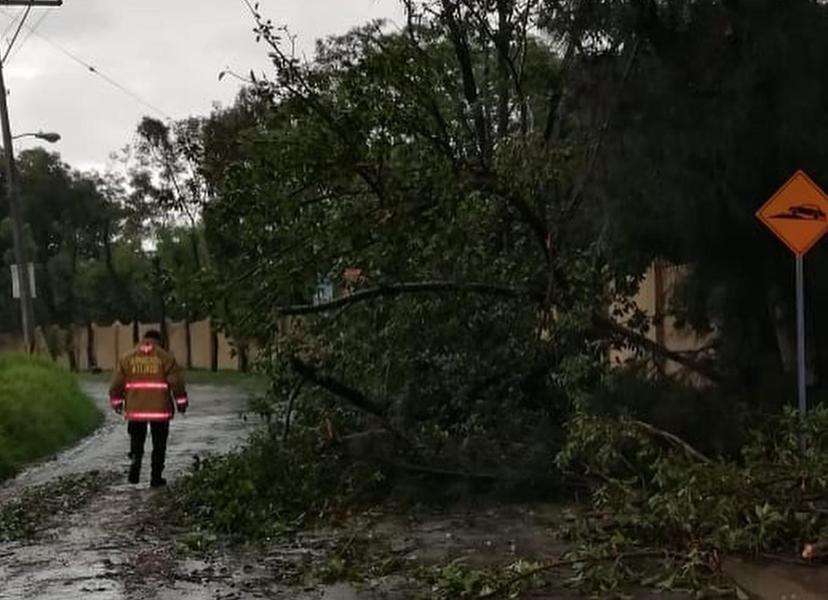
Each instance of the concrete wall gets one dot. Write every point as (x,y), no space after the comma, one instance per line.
(177,341)
(200,346)
(126,341)
(105,346)
(81,340)
(654,298)
(226,360)
(110,342)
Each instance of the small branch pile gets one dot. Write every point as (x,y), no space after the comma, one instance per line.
(653,491)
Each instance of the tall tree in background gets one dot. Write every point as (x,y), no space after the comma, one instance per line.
(726,103)
(168,180)
(87,243)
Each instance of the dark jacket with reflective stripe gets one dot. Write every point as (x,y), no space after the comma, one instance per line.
(145,382)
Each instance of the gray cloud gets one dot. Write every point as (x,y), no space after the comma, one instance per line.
(168,52)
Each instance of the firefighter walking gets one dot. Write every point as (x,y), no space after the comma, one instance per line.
(148,387)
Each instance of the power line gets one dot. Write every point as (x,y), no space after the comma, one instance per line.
(95,71)
(11,25)
(17,32)
(31,30)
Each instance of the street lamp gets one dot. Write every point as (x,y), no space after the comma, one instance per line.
(49,136)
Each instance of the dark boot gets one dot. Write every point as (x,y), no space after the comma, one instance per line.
(135,471)
(156,480)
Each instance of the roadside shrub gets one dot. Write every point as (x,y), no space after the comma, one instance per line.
(271,486)
(42,410)
(716,420)
(657,496)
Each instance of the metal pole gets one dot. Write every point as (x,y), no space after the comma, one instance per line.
(800,335)
(31,2)
(13,192)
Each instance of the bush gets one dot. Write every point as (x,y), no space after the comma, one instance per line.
(657,497)
(717,421)
(270,486)
(42,410)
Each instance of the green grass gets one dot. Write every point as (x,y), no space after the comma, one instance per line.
(248,382)
(42,410)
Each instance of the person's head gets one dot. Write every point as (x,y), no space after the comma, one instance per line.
(153,337)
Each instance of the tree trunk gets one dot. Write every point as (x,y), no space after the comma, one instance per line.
(159,284)
(194,248)
(503,51)
(244,358)
(214,348)
(164,329)
(70,310)
(70,351)
(783,322)
(90,346)
(189,342)
(120,285)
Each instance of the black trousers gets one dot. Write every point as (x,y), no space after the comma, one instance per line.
(160,431)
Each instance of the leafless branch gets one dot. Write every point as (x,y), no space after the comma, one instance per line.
(399,289)
(351,395)
(639,340)
(672,439)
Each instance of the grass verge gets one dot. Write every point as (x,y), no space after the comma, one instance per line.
(42,410)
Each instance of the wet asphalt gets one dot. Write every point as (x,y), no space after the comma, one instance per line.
(98,553)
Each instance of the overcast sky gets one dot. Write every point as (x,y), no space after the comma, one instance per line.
(169,52)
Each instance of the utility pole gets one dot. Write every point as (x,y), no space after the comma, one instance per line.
(26,305)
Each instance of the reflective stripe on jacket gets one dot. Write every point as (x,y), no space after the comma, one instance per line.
(145,382)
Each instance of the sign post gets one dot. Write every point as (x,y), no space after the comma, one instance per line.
(798,215)
(800,336)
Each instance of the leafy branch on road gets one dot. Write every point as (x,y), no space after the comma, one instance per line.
(37,508)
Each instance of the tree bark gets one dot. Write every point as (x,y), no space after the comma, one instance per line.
(70,353)
(460,42)
(353,397)
(214,348)
(782,321)
(188,342)
(244,358)
(609,325)
(90,347)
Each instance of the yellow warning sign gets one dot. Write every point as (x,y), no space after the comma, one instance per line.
(797,213)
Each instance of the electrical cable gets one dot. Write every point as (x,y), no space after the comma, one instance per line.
(17,32)
(95,71)
(30,31)
(11,25)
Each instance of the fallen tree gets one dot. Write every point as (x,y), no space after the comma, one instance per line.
(652,495)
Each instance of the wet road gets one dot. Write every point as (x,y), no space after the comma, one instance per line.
(110,549)
(97,553)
